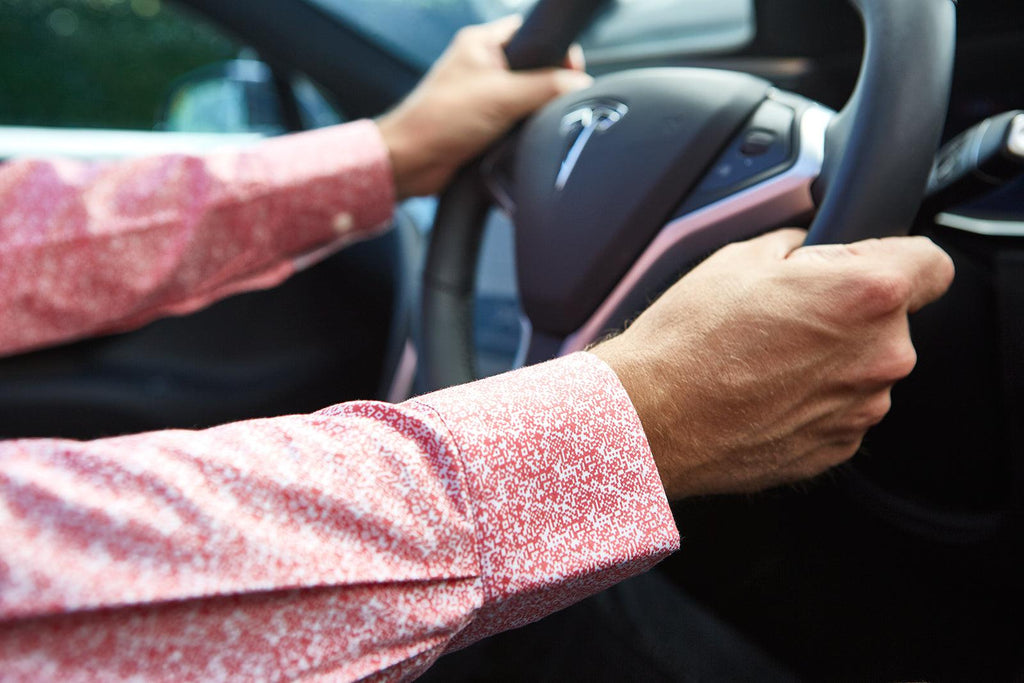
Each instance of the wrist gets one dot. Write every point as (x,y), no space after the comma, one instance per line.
(396,142)
(648,397)
(413,163)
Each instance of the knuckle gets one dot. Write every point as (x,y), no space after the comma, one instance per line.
(831,454)
(550,87)
(939,261)
(883,292)
(850,449)
(876,409)
(844,449)
(812,467)
(467,34)
(946,268)
(891,365)
(904,359)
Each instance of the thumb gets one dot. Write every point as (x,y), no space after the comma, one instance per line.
(500,31)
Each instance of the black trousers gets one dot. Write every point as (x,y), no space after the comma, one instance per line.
(645,629)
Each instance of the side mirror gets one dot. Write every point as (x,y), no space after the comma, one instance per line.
(243,96)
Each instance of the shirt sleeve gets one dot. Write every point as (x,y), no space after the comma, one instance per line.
(362,541)
(88,248)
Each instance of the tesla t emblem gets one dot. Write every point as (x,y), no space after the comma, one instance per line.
(580,126)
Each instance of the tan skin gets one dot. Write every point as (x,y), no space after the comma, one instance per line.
(767,363)
(467,101)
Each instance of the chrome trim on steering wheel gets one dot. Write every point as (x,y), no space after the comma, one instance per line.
(981,226)
(775,201)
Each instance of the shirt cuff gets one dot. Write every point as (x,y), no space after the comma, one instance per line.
(567,497)
(342,184)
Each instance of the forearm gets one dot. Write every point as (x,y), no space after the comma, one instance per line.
(88,248)
(366,537)
(240,547)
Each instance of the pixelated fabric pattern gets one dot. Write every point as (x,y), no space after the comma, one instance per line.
(89,248)
(362,541)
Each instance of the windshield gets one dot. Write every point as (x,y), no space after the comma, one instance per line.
(630,30)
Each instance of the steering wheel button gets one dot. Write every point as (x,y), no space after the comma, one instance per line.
(757,142)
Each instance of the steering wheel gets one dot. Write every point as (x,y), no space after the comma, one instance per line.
(618,189)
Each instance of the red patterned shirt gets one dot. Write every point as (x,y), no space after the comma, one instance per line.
(361,541)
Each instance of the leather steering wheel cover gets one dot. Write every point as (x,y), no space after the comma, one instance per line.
(868,189)
(448,282)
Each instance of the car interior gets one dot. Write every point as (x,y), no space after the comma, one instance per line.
(853,118)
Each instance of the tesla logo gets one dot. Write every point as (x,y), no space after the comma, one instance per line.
(581,126)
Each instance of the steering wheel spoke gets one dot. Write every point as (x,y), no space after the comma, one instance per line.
(497,169)
(750,204)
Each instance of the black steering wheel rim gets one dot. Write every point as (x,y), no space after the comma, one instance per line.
(899,103)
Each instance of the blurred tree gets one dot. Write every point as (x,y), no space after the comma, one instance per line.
(97,63)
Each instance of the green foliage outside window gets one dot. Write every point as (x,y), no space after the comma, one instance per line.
(97,63)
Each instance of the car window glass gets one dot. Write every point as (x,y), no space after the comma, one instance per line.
(98,63)
(629,30)
(139,65)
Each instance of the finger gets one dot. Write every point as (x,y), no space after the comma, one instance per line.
(575,59)
(500,31)
(527,91)
(928,268)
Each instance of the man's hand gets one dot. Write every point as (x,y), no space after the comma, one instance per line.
(769,362)
(467,101)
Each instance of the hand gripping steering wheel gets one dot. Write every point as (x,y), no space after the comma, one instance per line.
(616,190)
